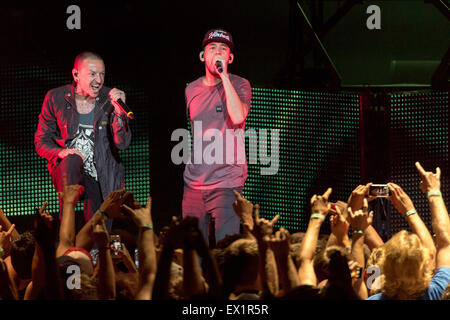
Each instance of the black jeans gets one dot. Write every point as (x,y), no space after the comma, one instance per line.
(72,166)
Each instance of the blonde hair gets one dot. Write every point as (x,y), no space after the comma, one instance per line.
(406,267)
(375,259)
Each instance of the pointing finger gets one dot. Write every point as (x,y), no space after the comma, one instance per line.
(237,194)
(420,168)
(327,193)
(256,208)
(275,219)
(44,205)
(11,229)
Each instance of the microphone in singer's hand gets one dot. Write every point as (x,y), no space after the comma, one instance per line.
(219,66)
(125,109)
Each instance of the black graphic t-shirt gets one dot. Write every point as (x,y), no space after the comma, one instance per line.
(84,142)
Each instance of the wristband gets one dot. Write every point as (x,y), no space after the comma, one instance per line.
(316,216)
(147,226)
(2,252)
(358,231)
(410,212)
(102,214)
(434,193)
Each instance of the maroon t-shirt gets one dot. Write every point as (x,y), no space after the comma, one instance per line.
(218,156)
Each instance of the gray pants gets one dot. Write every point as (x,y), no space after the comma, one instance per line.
(216,204)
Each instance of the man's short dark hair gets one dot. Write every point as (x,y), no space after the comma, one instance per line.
(85,55)
(22,251)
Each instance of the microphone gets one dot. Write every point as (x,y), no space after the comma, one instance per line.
(219,66)
(125,109)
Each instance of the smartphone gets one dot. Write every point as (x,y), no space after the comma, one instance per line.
(379,190)
(115,245)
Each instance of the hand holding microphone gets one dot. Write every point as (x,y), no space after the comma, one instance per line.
(118,101)
(220,64)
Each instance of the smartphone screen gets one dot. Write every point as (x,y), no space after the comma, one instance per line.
(115,245)
(379,190)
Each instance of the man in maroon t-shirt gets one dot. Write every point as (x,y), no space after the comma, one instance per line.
(217,106)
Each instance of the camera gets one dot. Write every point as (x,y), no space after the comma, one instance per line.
(379,190)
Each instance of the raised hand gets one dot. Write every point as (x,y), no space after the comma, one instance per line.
(280,243)
(262,227)
(244,209)
(320,204)
(65,152)
(70,193)
(401,201)
(5,238)
(116,94)
(339,224)
(361,219)
(430,181)
(142,216)
(355,202)
(112,204)
(45,226)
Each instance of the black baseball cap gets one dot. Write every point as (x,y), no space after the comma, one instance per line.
(218,35)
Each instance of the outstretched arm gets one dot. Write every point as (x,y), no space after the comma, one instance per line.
(8,290)
(244,210)
(319,211)
(146,249)
(267,263)
(46,279)
(106,276)
(431,186)
(405,206)
(287,272)
(355,201)
(360,221)
(110,208)
(6,225)
(69,198)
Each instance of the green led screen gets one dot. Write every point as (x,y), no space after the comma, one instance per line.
(419,132)
(25,182)
(318,148)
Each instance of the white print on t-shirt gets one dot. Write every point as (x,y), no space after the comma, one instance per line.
(84,142)
(235,149)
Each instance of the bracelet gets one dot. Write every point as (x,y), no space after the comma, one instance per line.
(102,214)
(410,212)
(434,193)
(147,226)
(316,216)
(2,252)
(360,231)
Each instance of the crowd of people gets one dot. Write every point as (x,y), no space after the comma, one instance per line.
(54,262)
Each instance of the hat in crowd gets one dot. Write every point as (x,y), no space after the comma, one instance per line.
(80,257)
(218,35)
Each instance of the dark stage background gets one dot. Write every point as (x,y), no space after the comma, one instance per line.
(151,52)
